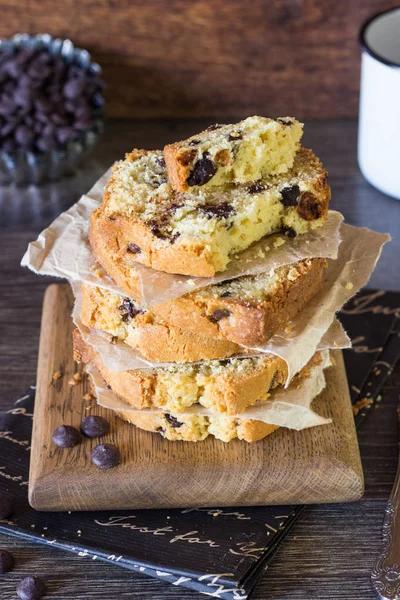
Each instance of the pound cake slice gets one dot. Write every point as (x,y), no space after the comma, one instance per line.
(197,233)
(239,153)
(229,386)
(146,332)
(250,309)
(195,428)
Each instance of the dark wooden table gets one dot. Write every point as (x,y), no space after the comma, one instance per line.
(330,551)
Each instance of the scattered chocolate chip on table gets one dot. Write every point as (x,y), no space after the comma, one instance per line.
(105,456)
(66,436)
(93,426)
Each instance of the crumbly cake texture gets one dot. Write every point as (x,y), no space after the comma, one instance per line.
(239,153)
(229,386)
(149,334)
(195,428)
(250,309)
(142,219)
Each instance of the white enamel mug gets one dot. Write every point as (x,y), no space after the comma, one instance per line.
(379,119)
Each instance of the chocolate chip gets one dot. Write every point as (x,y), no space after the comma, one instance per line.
(309,208)
(160,162)
(194,142)
(290,195)
(214,127)
(226,294)
(66,436)
(221,211)
(6,561)
(284,121)
(234,136)
(203,170)
(131,311)
(218,314)
(134,248)
(105,456)
(155,229)
(31,588)
(6,508)
(174,237)
(160,430)
(93,426)
(173,421)
(289,232)
(224,362)
(256,188)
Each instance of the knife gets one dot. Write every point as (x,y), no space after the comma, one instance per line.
(385,574)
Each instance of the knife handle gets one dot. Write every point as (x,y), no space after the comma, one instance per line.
(386,572)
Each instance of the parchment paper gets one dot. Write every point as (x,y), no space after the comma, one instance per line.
(289,408)
(63,250)
(296,344)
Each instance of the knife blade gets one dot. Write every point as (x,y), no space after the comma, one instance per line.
(385,574)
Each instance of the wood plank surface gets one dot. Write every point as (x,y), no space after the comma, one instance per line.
(220,58)
(331,549)
(319,464)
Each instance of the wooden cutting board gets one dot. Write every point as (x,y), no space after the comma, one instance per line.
(316,465)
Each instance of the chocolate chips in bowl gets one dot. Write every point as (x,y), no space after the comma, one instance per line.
(51,108)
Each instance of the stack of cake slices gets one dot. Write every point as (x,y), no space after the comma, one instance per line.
(191,211)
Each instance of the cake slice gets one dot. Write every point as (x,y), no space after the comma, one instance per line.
(239,153)
(250,309)
(229,386)
(142,219)
(146,332)
(195,428)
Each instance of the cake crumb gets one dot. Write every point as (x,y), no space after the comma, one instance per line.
(363,403)
(378,372)
(113,339)
(190,282)
(349,285)
(279,242)
(57,375)
(97,273)
(78,377)
(88,396)
(288,329)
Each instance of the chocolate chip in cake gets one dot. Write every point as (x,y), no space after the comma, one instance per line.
(290,195)
(309,208)
(160,162)
(221,211)
(173,421)
(94,426)
(194,142)
(31,588)
(129,309)
(66,436)
(105,456)
(214,127)
(256,188)
(204,170)
(161,430)
(218,315)
(133,248)
(156,230)
(174,237)
(112,218)
(284,121)
(234,136)
(289,232)
(6,561)
(6,508)
(226,294)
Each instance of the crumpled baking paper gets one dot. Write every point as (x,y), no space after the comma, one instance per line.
(118,356)
(296,344)
(289,408)
(63,250)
